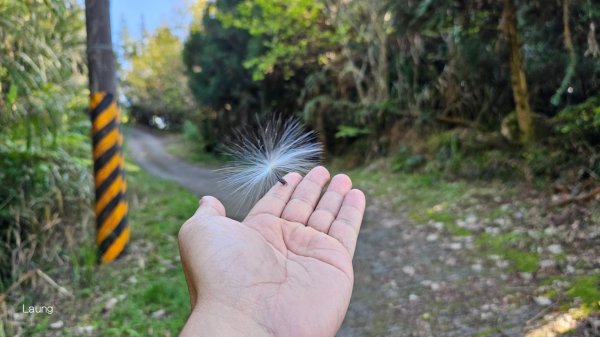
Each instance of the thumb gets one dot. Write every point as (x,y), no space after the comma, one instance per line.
(210,206)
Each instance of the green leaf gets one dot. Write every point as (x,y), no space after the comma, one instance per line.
(11,96)
(345,131)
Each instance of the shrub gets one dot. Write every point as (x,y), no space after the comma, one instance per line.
(45,207)
(406,161)
(581,120)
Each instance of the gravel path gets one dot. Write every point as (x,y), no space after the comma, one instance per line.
(415,280)
(411,280)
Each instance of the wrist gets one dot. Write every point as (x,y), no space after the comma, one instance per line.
(218,320)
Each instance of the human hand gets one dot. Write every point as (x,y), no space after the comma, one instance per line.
(286,270)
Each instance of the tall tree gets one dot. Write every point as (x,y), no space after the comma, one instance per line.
(517,73)
(568,41)
(155,83)
(214,56)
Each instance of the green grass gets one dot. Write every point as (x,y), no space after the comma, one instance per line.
(162,208)
(584,288)
(587,289)
(428,197)
(496,213)
(157,210)
(489,332)
(523,261)
(185,149)
(422,191)
(510,246)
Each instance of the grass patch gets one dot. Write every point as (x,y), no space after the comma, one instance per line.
(428,197)
(183,148)
(440,213)
(422,191)
(587,289)
(523,261)
(162,208)
(488,332)
(149,278)
(509,246)
(497,213)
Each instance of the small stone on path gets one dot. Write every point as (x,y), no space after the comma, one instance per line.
(86,329)
(544,264)
(555,249)
(526,276)
(57,324)
(408,270)
(542,300)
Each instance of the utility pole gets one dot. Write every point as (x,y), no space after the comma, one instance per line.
(112,228)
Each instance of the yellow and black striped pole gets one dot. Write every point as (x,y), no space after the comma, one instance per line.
(109,180)
(112,227)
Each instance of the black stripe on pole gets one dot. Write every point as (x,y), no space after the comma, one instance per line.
(113,236)
(102,132)
(100,190)
(106,156)
(102,106)
(108,209)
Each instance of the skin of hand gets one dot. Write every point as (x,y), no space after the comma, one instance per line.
(286,270)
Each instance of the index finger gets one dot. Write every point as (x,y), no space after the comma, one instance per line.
(278,196)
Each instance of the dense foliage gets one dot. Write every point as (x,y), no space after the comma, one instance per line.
(41,68)
(44,133)
(378,74)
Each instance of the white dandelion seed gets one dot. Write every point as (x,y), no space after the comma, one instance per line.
(261,157)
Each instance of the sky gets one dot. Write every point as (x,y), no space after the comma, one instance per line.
(150,14)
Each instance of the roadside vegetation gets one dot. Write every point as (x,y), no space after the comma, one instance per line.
(142,294)
(44,149)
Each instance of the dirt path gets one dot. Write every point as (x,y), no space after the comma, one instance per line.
(148,151)
(416,281)
(411,280)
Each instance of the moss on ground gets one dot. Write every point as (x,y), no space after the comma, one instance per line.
(510,246)
(587,289)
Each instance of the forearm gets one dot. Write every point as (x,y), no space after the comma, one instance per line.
(213,320)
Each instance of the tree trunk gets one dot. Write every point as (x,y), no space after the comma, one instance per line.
(380,66)
(517,74)
(570,71)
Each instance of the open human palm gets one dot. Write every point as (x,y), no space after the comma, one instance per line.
(286,270)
